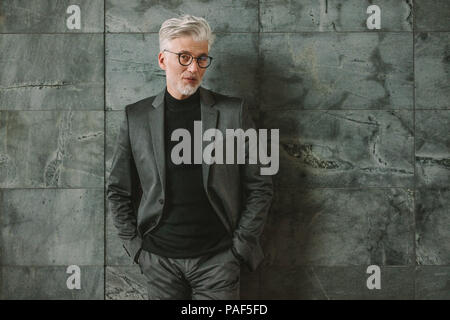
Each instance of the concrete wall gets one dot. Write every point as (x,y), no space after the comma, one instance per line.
(364,119)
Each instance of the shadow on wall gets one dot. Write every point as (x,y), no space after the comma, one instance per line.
(287,240)
(235,74)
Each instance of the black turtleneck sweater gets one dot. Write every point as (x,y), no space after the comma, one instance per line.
(189,226)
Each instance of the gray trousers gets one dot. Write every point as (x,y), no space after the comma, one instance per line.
(209,277)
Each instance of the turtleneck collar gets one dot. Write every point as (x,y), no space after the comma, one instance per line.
(194,98)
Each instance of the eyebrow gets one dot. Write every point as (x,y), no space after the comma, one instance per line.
(186,51)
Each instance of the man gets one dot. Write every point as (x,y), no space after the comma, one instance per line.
(189,226)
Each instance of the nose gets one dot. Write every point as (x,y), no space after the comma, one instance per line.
(193,67)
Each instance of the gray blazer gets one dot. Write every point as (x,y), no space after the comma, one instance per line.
(135,192)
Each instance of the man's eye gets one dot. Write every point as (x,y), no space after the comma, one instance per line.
(185,57)
(203,58)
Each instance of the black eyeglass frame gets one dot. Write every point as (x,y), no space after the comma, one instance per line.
(196,58)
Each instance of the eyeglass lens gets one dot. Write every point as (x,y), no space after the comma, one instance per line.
(186,59)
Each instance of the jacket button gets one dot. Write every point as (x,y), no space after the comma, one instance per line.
(161,201)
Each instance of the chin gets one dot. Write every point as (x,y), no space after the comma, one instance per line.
(187,90)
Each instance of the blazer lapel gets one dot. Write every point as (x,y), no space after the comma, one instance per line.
(156,121)
(209,120)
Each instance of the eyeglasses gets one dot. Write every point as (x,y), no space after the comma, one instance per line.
(186,59)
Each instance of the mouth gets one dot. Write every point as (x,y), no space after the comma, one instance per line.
(190,79)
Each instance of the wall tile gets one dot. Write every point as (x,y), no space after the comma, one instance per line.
(125,283)
(340,227)
(52,227)
(337,71)
(433,226)
(432,15)
(49,16)
(148,15)
(432,70)
(343,148)
(43,72)
(132,71)
(336,15)
(51,149)
(234,70)
(433,148)
(335,283)
(433,283)
(49,283)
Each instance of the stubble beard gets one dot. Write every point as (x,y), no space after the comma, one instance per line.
(187,90)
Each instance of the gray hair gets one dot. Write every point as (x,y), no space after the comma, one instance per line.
(187,25)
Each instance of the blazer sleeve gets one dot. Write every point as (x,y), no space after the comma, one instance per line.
(124,191)
(258,195)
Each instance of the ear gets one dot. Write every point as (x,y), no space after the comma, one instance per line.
(162,60)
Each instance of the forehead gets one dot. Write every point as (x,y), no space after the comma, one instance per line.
(189,44)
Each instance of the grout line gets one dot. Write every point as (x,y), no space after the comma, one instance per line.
(414,151)
(104,149)
(281,109)
(52,110)
(278,110)
(50,33)
(283,32)
(57,265)
(260,268)
(1,230)
(307,189)
(228,32)
(258,103)
(4,189)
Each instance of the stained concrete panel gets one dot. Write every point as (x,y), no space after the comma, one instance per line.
(148,15)
(51,72)
(50,283)
(47,149)
(432,70)
(432,15)
(432,148)
(433,226)
(49,16)
(50,227)
(343,148)
(336,71)
(336,283)
(340,227)
(335,15)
